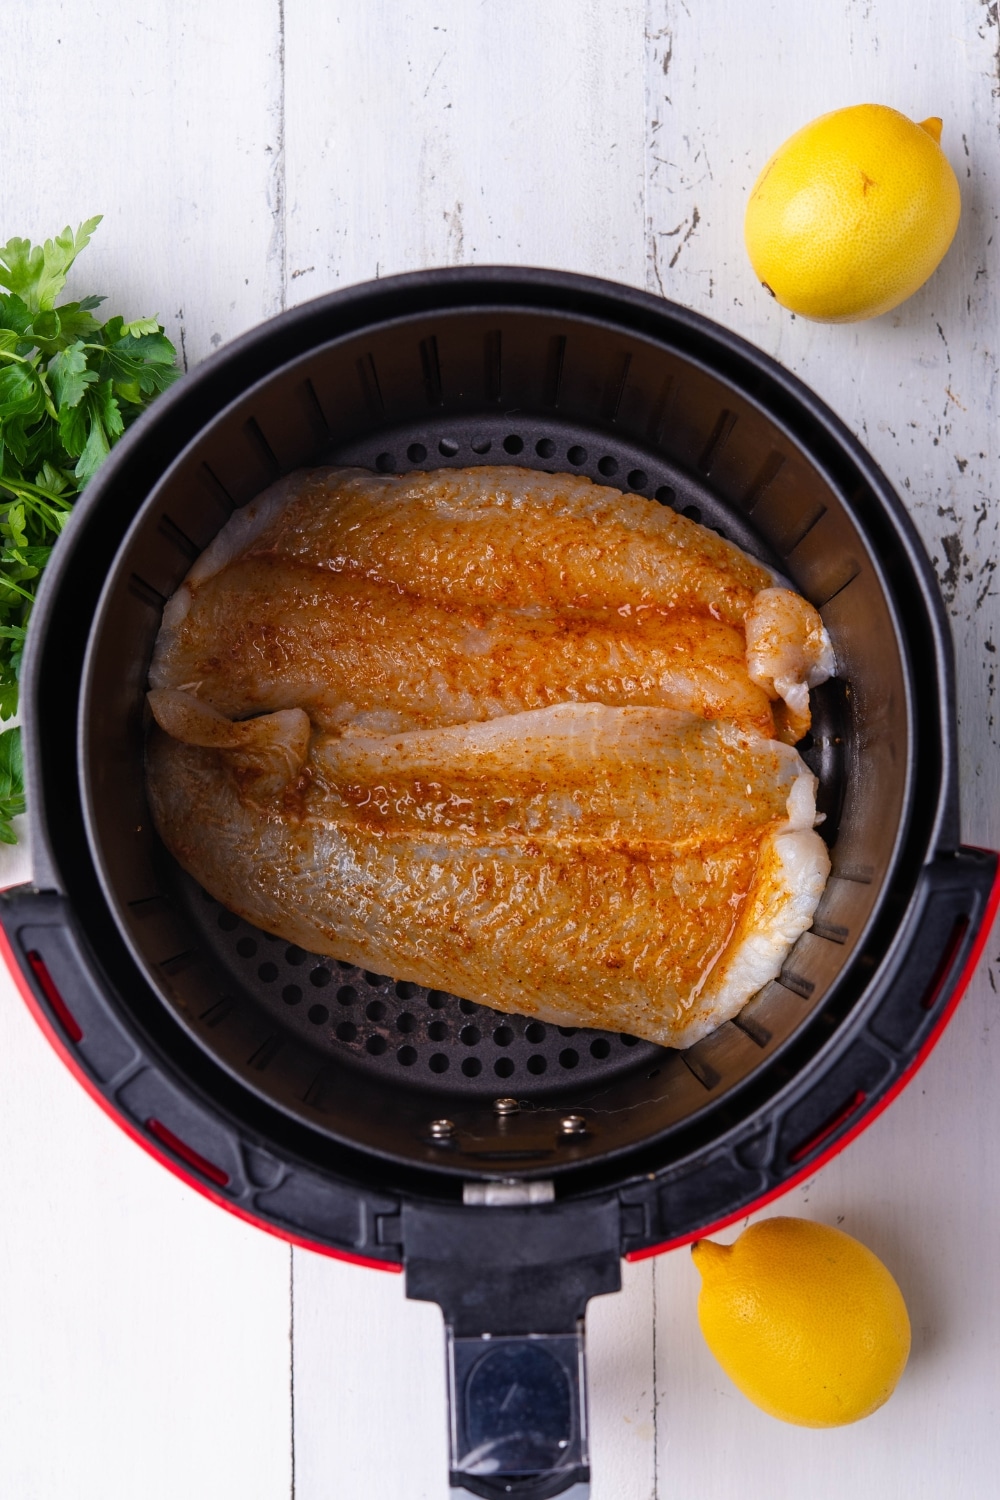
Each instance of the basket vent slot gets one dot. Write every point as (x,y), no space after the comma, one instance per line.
(493,356)
(314,412)
(797,983)
(615,390)
(721,433)
(706,1076)
(554,370)
(218,490)
(836,585)
(658,415)
(370,388)
(179,538)
(262,447)
(430,363)
(767,474)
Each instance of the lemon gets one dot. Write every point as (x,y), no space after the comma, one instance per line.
(852,214)
(805,1320)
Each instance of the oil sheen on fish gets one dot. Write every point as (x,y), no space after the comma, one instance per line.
(504,733)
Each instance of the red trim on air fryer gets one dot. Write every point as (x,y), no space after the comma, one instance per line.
(958,932)
(962,984)
(64,1015)
(149,1145)
(817,1138)
(187,1153)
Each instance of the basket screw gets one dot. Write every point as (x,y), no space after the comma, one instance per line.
(442,1130)
(572,1125)
(505,1107)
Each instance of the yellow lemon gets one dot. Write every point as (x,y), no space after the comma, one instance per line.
(852,214)
(806,1321)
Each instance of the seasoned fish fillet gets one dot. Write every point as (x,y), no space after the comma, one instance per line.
(471,593)
(594,866)
(505,733)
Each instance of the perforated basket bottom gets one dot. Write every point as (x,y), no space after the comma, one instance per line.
(404,1032)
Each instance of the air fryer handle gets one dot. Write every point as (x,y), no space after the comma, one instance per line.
(513,1284)
(518,1410)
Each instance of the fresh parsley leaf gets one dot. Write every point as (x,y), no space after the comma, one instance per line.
(69,376)
(37,273)
(11,783)
(14,315)
(74,322)
(19,391)
(104,425)
(72,431)
(141,326)
(69,386)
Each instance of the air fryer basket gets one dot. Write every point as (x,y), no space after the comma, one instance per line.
(354,1055)
(350,1109)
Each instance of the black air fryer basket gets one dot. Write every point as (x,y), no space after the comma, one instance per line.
(506,1164)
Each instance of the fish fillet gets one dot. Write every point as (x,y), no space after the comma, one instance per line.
(499,732)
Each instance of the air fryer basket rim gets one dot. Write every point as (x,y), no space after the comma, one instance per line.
(398,327)
(484,287)
(407,1121)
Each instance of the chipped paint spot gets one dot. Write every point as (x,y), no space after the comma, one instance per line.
(695,221)
(456,233)
(952,545)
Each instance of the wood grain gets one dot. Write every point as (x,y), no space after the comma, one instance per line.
(144,1334)
(460,132)
(167,119)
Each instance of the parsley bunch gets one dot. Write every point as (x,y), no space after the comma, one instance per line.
(69,387)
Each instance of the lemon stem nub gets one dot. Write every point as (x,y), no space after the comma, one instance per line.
(932,127)
(707,1255)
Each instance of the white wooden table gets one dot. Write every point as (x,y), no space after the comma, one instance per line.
(250,154)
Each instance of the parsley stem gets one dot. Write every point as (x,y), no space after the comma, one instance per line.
(8,583)
(22,488)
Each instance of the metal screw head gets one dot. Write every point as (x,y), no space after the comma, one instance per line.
(505,1107)
(572,1125)
(442,1130)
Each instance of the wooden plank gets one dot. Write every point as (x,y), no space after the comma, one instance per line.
(919,389)
(369,1383)
(455,133)
(145,1333)
(622,1388)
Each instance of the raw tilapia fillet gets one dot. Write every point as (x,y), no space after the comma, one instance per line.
(509,734)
